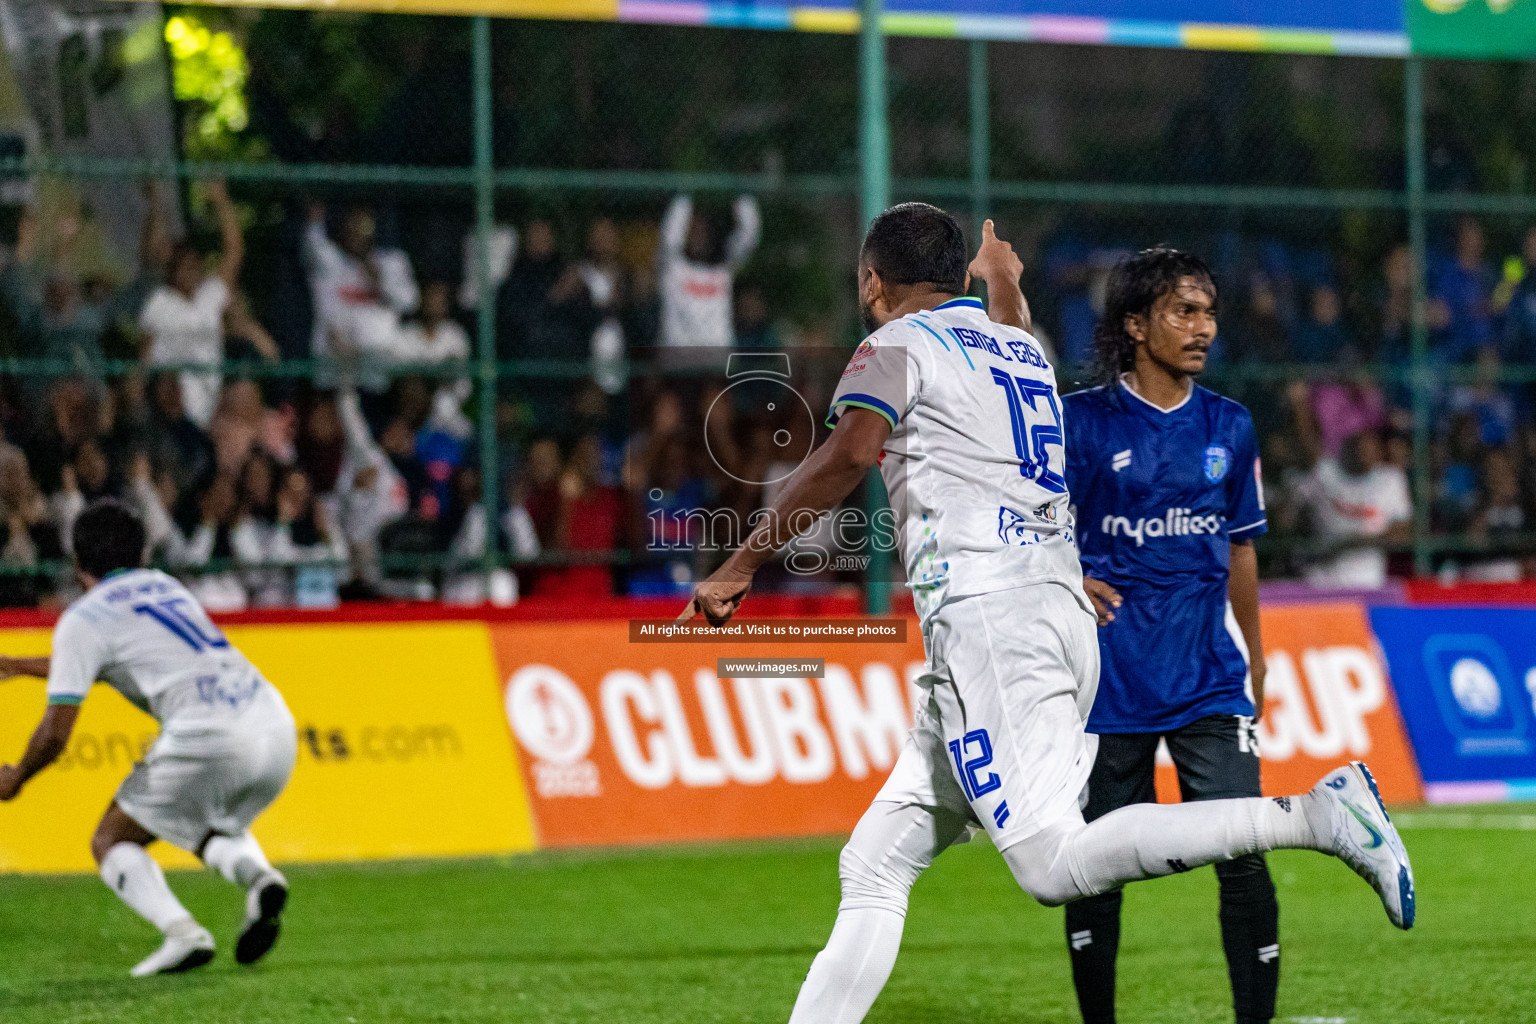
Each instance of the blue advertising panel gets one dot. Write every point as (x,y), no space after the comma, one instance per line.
(1466,684)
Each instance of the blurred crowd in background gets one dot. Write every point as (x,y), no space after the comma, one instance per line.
(1335,410)
(290,383)
(358,474)
(355,472)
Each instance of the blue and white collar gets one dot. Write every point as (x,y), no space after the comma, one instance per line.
(963,300)
(1126,387)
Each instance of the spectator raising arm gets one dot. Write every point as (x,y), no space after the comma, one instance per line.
(744,237)
(695,281)
(160,530)
(364,453)
(154,236)
(323,256)
(674,227)
(232,238)
(239,322)
(371,491)
(397,282)
(360,292)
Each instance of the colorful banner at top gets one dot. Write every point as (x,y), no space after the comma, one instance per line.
(1372,28)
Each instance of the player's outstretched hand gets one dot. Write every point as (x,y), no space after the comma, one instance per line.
(718,597)
(1105,599)
(10,781)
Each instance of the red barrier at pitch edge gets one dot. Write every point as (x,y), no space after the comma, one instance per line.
(843,604)
(533,609)
(1506,595)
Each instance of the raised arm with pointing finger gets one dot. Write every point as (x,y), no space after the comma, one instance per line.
(1000,267)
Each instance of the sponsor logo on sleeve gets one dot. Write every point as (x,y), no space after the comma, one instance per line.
(860,361)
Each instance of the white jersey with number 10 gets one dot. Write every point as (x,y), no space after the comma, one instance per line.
(142,633)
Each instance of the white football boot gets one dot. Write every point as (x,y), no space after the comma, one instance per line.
(1354,821)
(264,904)
(187,945)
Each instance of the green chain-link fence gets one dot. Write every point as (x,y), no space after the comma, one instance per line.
(1295,175)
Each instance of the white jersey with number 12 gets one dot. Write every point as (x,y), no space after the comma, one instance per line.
(975,462)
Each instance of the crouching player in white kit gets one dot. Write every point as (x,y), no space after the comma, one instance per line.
(225,750)
(962,416)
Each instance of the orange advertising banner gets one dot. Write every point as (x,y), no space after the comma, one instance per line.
(625,742)
(638,742)
(1328,699)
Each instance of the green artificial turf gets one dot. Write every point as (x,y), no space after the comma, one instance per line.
(725,933)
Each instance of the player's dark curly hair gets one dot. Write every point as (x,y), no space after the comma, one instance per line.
(108,536)
(1135,285)
(914,243)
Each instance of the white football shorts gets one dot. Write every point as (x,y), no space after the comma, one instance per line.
(200,777)
(1009,681)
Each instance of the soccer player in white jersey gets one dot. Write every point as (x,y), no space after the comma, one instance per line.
(225,750)
(961,415)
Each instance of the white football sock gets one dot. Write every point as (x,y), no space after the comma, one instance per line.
(1065,862)
(892,844)
(849,973)
(1288,823)
(138,881)
(237,858)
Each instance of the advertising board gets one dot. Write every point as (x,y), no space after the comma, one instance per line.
(1466,681)
(403,750)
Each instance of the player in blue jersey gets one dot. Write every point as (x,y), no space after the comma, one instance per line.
(1165,478)
(961,415)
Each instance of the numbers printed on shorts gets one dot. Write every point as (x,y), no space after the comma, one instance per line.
(967,769)
(1030,441)
(176,615)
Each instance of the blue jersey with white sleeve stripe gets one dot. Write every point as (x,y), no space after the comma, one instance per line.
(1160,496)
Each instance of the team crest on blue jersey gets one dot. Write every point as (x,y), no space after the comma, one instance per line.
(1217,462)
